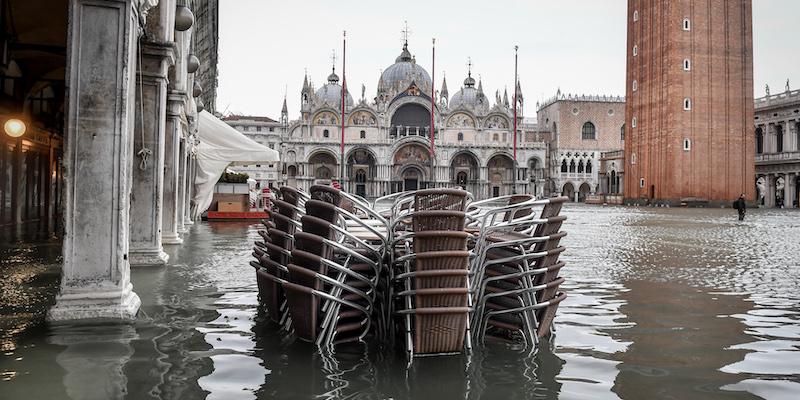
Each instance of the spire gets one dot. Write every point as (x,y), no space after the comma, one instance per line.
(505,97)
(405,55)
(443,92)
(284,113)
(519,91)
(480,86)
(305,81)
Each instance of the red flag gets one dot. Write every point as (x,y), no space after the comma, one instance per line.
(515,107)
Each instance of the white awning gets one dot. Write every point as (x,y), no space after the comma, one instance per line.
(220,145)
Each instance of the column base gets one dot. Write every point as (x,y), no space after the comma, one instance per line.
(148,257)
(187,222)
(92,302)
(171,239)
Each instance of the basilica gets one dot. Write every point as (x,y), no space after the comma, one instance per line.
(387,139)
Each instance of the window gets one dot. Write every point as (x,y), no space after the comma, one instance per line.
(588,166)
(563,165)
(363,134)
(572,166)
(326,133)
(258,128)
(635,86)
(580,166)
(633,158)
(687,144)
(495,137)
(635,15)
(633,122)
(588,131)
(687,104)
(460,136)
(622,132)
(778,138)
(687,25)
(272,165)
(759,140)
(258,165)
(272,129)
(635,50)
(641,182)
(687,65)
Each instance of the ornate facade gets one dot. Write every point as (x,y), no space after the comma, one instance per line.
(777,146)
(387,138)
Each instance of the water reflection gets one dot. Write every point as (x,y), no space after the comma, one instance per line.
(663,303)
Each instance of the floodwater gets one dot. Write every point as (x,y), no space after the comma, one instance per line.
(663,304)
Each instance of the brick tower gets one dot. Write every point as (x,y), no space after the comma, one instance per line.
(689,112)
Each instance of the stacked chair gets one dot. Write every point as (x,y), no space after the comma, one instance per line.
(428,269)
(432,271)
(516,269)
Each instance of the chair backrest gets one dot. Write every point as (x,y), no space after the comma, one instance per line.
(317,226)
(440,199)
(302,275)
(322,209)
(517,199)
(305,308)
(290,195)
(438,220)
(425,241)
(327,194)
(313,244)
(284,223)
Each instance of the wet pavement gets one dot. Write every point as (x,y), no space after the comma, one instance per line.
(663,304)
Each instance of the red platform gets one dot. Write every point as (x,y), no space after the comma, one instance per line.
(217,215)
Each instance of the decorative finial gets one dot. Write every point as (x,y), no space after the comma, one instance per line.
(333,61)
(406,32)
(469,67)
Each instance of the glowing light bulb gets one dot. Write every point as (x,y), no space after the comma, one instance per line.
(15,127)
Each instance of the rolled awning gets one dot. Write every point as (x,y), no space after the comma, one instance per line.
(220,145)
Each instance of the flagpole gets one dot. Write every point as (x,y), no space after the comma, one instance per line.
(344,90)
(433,107)
(514,190)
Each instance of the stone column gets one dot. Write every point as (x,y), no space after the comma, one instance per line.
(101,57)
(789,191)
(172,166)
(769,198)
(182,179)
(190,168)
(148,172)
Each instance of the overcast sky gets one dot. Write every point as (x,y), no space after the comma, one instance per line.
(575,45)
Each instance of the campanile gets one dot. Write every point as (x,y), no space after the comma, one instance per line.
(689,111)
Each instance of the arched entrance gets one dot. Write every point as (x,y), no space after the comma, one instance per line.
(362,170)
(323,165)
(410,165)
(464,171)
(568,190)
(501,175)
(584,191)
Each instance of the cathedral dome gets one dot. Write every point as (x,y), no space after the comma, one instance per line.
(403,72)
(331,92)
(469,96)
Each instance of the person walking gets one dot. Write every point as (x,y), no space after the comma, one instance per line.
(740,206)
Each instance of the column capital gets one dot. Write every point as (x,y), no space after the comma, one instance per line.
(156,59)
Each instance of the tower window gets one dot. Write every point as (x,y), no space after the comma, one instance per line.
(635,50)
(635,15)
(460,136)
(633,158)
(588,132)
(622,132)
(687,104)
(496,137)
(326,133)
(641,182)
(363,134)
(687,25)
(687,65)
(687,144)
(635,85)
(633,122)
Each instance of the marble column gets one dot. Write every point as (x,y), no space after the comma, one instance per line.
(101,80)
(190,168)
(182,179)
(172,166)
(149,148)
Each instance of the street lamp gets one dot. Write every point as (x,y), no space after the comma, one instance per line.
(15,127)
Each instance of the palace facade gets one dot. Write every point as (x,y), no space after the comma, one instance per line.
(777,147)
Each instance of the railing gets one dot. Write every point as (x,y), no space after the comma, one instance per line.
(786,97)
(612,154)
(785,156)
